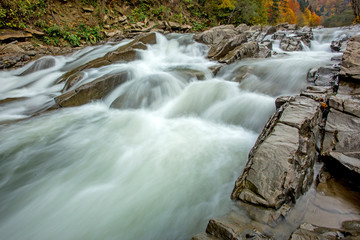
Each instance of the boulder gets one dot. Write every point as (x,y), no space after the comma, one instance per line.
(339,44)
(10,60)
(242,28)
(280,165)
(327,76)
(350,67)
(260,34)
(173,26)
(216,35)
(291,44)
(246,50)
(185,28)
(221,49)
(264,51)
(41,64)
(94,90)
(350,230)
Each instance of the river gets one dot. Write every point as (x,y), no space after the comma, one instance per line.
(158,168)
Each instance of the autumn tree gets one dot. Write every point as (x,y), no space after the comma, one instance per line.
(273,11)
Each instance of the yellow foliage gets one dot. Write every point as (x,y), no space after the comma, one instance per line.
(230,4)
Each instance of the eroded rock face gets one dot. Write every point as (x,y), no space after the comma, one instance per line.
(350,68)
(280,166)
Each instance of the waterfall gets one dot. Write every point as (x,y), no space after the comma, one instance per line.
(159,166)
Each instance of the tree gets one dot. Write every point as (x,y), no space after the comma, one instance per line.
(273,12)
(355,5)
(251,12)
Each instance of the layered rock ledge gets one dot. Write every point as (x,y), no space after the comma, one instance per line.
(319,126)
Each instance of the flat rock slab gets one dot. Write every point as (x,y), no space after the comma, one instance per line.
(280,166)
(14,36)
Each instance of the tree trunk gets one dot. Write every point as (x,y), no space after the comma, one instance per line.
(355,4)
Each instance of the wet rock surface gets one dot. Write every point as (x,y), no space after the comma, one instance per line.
(350,67)
(280,164)
(91,91)
(229,44)
(323,122)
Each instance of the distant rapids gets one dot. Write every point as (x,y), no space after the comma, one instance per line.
(158,168)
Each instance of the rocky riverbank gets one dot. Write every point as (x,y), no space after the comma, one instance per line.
(318,127)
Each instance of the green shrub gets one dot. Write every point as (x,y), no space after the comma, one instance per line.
(18,13)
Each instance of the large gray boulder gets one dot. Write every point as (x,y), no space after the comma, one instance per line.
(218,51)
(246,50)
(280,165)
(216,35)
(324,76)
(350,68)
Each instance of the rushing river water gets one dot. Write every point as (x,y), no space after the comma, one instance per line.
(160,167)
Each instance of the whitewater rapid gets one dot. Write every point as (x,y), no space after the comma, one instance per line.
(157,168)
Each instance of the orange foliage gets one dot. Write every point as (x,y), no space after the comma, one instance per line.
(281,11)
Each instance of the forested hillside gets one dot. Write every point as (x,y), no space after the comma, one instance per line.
(333,12)
(77,21)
